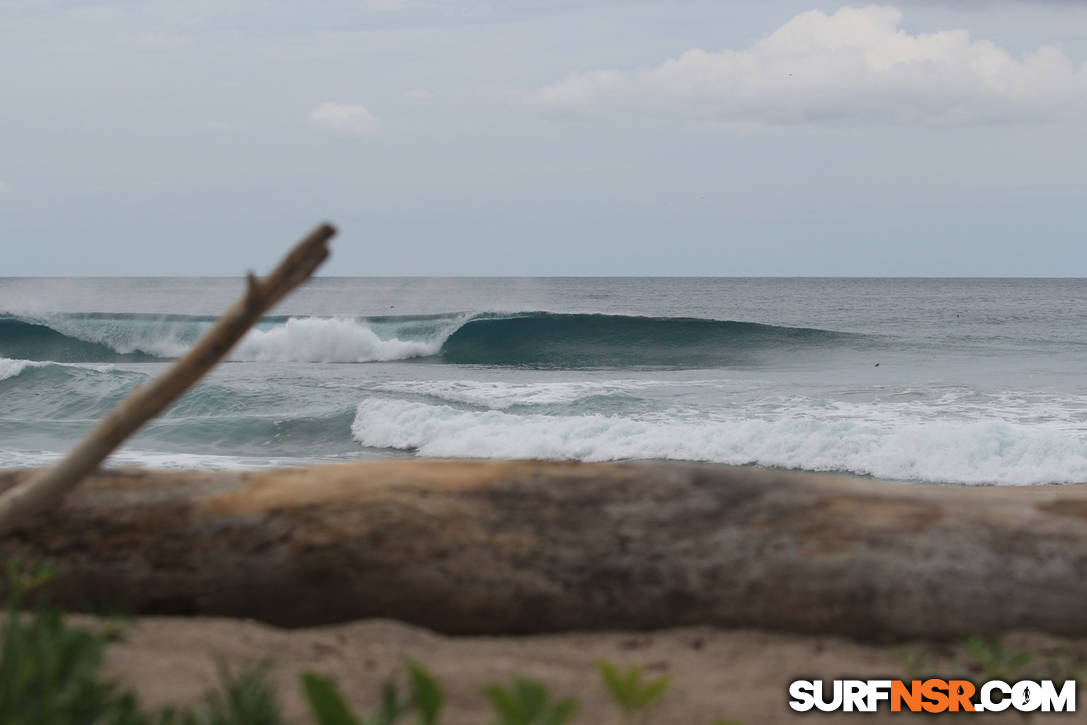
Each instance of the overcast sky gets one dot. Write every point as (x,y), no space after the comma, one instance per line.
(533,137)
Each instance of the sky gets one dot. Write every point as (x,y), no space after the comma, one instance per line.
(524,137)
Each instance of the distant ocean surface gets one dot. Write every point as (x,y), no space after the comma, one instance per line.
(973,381)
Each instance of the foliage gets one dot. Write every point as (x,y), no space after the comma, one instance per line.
(51,674)
(329,707)
(243,697)
(527,702)
(994,658)
(630,690)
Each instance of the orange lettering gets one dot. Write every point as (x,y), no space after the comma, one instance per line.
(960,692)
(934,690)
(911,696)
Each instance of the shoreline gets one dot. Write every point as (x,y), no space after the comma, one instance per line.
(278,464)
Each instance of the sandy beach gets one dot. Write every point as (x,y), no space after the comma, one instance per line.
(741,674)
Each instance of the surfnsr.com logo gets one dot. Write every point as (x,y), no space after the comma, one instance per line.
(932,696)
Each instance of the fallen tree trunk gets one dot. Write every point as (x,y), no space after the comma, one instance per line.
(518,547)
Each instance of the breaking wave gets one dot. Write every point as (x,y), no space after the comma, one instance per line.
(952,451)
(597,340)
(534,339)
(12,368)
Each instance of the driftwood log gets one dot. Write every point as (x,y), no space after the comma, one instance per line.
(521,547)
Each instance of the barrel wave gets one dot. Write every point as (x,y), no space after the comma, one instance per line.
(596,340)
(26,340)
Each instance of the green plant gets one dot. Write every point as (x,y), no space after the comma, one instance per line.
(51,674)
(994,658)
(22,578)
(426,693)
(243,697)
(329,707)
(630,689)
(527,702)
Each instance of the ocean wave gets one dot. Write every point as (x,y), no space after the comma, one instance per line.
(328,340)
(12,368)
(549,340)
(969,452)
(39,340)
(500,395)
(140,338)
(528,339)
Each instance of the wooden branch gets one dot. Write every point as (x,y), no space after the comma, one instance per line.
(48,487)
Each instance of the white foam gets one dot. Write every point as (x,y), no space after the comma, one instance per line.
(162,460)
(499,395)
(953,451)
(10,368)
(309,339)
(300,339)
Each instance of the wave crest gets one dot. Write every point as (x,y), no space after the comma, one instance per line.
(137,338)
(530,339)
(549,340)
(13,368)
(327,340)
(966,451)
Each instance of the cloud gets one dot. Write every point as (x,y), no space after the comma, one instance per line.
(347,119)
(854,65)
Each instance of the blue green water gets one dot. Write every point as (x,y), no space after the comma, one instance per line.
(965,381)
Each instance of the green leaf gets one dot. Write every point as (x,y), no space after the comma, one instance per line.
(527,702)
(651,691)
(563,712)
(326,702)
(245,697)
(426,694)
(628,688)
(504,703)
(392,707)
(994,658)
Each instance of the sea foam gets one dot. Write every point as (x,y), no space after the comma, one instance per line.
(74,338)
(11,368)
(308,339)
(963,451)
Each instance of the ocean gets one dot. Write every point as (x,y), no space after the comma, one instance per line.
(960,381)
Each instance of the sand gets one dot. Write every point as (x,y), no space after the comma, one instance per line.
(737,674)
